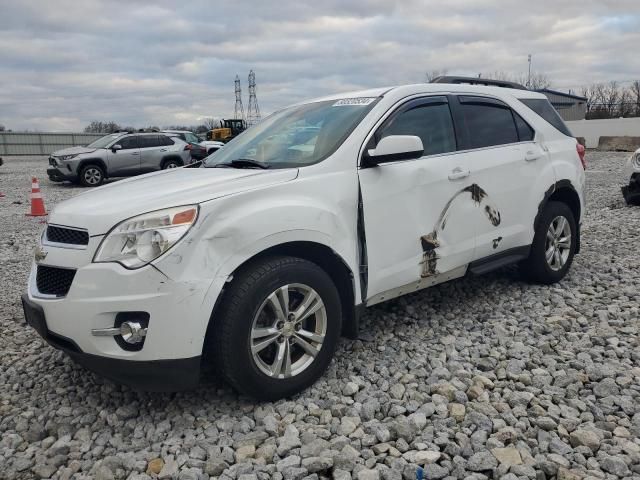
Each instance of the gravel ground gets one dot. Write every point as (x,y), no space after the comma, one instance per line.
(486,377)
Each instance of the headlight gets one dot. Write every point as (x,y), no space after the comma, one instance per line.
(67,157)
(139,240)
(635,161)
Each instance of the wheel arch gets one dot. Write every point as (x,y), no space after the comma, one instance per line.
(324,257)
(93,161)
(562,191)
(169,158)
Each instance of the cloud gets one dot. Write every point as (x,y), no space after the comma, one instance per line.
(65,63)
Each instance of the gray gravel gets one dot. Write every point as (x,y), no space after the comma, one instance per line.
(487,377)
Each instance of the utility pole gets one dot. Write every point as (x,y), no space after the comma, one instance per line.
(239,109)
(529,77)
(253,110)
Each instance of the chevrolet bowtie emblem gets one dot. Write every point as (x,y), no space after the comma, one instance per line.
(39,254)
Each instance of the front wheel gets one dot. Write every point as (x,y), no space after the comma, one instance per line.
(277,327)
(91,176)
(554,245)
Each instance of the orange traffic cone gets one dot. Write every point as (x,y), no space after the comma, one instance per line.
(37,204)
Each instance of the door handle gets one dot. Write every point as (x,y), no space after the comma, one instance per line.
(163,149)
(135,153)
(532,155)
(457,173)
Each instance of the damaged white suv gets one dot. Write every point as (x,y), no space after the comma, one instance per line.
(256,262)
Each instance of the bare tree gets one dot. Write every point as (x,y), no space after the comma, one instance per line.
(634,91)
(101,127)
(211,123)
(433,74)
(2,128)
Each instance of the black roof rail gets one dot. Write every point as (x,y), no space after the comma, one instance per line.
(478,81)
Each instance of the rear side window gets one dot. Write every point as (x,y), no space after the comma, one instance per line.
(543,107)
(164,140)
(487,124)
(525,132)
(149,141)
(431,122)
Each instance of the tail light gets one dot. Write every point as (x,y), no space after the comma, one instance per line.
(188,146)
(581,152)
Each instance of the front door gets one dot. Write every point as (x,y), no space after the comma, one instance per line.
(416,212)
(125,161)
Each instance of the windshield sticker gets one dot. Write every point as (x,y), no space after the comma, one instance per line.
(362,101)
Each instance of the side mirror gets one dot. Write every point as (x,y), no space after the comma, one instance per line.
(393,148)
(116,147)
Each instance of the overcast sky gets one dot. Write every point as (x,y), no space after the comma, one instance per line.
(64,63)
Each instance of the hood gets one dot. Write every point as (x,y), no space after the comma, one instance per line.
(72,151)
(100,209)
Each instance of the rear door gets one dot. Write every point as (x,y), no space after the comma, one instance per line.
(506,164)
(125,161)
(416,211)
(153,150)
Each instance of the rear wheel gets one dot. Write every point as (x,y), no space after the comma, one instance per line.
(91,176)
(554,245)
(277,327)
(171,164)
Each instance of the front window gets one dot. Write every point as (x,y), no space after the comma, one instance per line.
(105,141)
(297,136)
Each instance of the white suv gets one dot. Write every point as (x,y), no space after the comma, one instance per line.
(258,261)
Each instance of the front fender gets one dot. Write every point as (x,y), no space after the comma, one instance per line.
(234,229)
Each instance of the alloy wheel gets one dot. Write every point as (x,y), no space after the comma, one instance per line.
(558,243)
(92,176)
(288,331)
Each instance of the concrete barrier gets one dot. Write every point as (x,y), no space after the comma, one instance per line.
(619,144)
(592,130)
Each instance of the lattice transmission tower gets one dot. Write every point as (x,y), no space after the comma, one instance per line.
(239,109)
(253,110)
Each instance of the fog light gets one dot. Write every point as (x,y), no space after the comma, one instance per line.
(132,332)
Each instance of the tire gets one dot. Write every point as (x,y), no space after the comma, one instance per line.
(91,175)
(246,307)
(171,164)
(538,268)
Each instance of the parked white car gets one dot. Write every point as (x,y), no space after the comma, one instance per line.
(212,146)
(631,191)
(259,260)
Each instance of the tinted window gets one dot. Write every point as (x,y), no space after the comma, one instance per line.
(543,108)
(129,142)
(164,140)
(191,138)
(525,132)
(432,123)
(147,141)
(487,125)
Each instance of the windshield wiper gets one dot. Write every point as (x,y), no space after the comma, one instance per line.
(242,163)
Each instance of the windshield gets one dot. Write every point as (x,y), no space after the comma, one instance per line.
(104,141)
(297,136)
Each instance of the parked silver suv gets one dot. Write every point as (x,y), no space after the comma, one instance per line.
(118,155)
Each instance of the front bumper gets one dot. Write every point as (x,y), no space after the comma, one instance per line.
(56,175)
(154,375)
(631,192)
